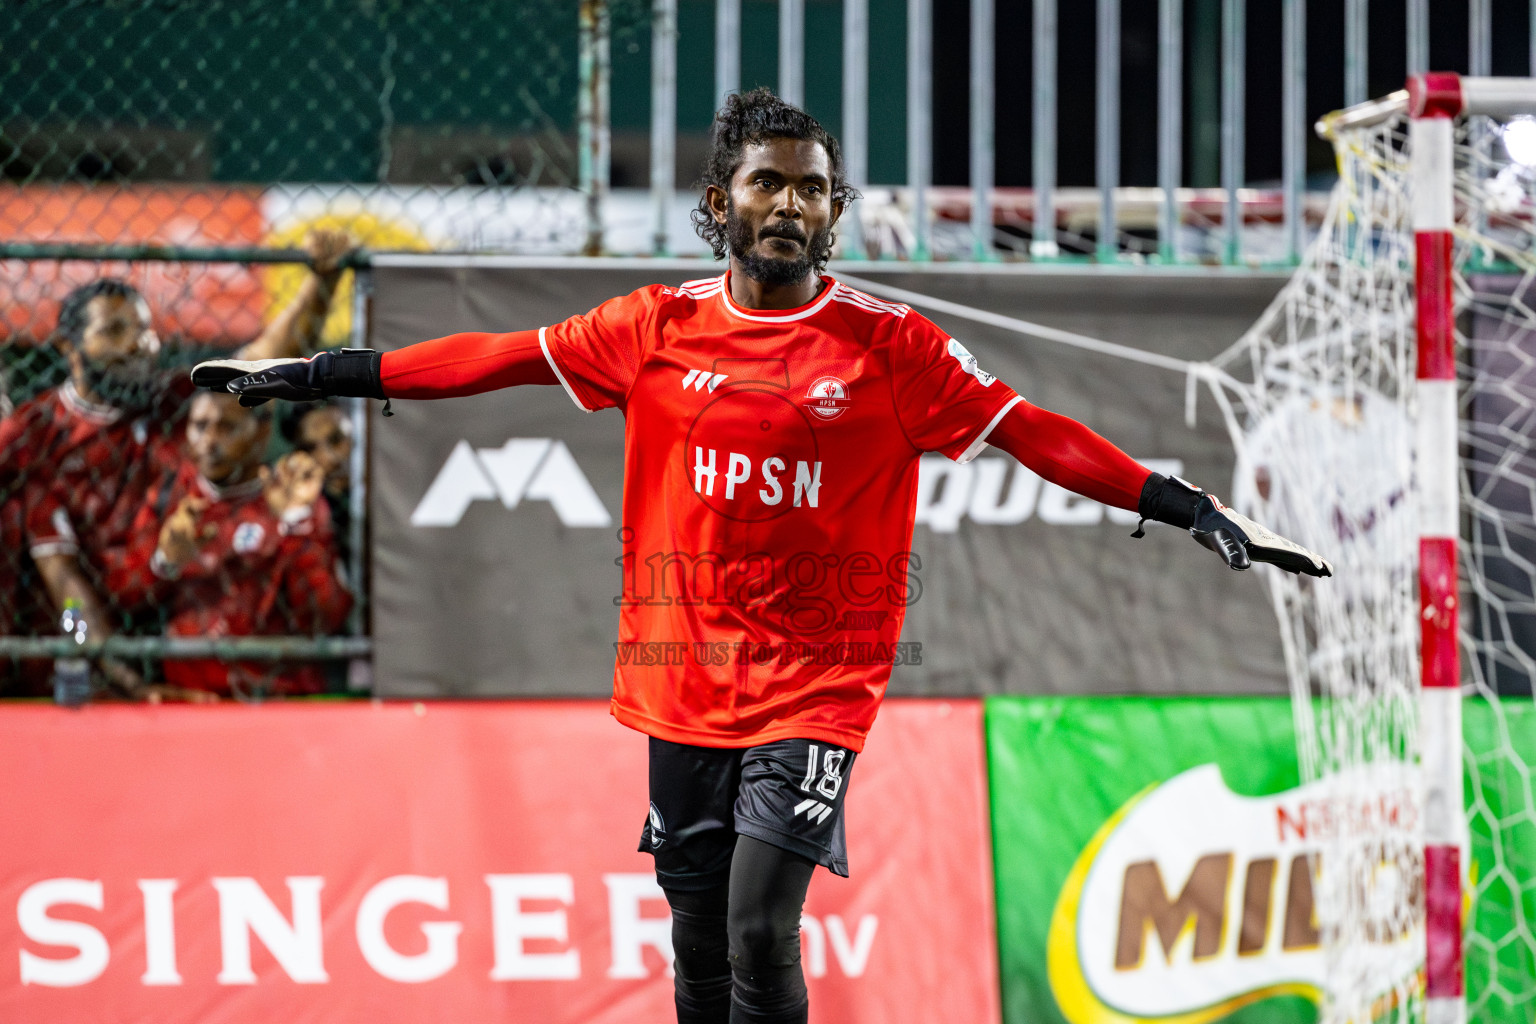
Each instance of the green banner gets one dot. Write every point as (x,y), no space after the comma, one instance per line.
(1153,862)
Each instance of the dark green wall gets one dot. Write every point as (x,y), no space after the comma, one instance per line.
(266,90)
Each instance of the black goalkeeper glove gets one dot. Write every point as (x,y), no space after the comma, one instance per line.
(350,373)
(1237,539)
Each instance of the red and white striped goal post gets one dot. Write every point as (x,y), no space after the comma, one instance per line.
(1432,102)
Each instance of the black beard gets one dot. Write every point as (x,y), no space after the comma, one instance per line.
(775,271)
(132,385)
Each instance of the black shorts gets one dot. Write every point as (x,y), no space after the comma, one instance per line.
(788,794)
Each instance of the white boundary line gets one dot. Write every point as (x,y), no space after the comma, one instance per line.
(921,302)
(1214,377)
(838,268)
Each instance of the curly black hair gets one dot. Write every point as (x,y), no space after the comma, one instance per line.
(753,117)
(72,312)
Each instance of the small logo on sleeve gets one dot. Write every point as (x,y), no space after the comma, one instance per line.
(828,398)
(968,363)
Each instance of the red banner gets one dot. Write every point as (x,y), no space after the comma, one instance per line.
(441,862)
(208,302)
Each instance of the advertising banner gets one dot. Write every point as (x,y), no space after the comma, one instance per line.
(1152,859)
(206,302)
(399,863)
(495,517)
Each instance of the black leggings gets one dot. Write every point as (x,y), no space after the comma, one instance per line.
(737,945)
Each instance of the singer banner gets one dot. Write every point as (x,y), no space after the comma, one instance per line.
(399,863)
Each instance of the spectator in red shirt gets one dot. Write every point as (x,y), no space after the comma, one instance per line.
(230,547)
(81,458)
(324,430)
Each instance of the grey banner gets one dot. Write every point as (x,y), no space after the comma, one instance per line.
(495,517)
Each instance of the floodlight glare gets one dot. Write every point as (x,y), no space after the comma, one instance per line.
(1520,141)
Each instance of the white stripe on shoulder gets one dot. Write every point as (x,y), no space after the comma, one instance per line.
(870,302)
(981,439)
(703,284)
(897,308)
(544,345)
(874,305)
(893,306)
(854,300)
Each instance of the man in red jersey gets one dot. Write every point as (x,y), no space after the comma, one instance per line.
(774,419)
(79,459)
(228,548)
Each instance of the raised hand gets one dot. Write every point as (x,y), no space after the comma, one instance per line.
(293,484)
(183,533)
(326,247)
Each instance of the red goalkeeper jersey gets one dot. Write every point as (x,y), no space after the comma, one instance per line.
(770,483)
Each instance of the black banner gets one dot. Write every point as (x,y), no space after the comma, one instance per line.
(495,517)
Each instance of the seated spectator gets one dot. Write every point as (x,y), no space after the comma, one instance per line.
(81,458)
(230,547)
(324,430)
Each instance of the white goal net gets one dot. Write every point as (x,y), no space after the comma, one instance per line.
(1319,397)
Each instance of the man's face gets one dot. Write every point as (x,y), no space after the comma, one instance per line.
(225,439)
(114,358)
(779,212)
(326,433)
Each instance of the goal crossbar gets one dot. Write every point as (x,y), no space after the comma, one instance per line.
(1438,93)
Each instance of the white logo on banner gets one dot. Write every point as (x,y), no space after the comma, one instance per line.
(1193,901)
(1000,492)
(528,942)
(525,468)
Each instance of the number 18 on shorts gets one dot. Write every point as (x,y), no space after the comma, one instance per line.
(788,793)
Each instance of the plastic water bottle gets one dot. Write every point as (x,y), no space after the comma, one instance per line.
(72,676)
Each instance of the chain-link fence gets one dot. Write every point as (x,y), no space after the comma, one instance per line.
(163,166)
(237,124)
(197,541)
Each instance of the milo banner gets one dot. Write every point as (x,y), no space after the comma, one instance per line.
(400,863)
(1153,861)
(495,518)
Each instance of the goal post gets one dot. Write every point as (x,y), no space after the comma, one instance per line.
(1379,415)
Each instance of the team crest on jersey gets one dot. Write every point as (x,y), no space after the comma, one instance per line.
(827,398)
(248,537)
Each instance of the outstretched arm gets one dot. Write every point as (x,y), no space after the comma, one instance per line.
(465,364)
(1064,452)
(595,356)
(450,367)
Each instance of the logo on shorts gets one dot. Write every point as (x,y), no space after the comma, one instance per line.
(828,398)
(814,810)
(658,829)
